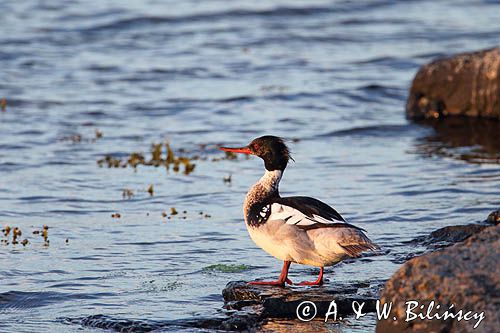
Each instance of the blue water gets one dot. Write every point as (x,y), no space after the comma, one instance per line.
(333,75)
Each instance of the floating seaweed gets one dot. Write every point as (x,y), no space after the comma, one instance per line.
(45,235)
(3,104)
(6,230)
(110,161)
(188,166)
(184,216)
(170,154)
(127,193)
(79,138)
(151,190)
(135,159)
(158,151)
(163,155)
(231,156)
(227,156)
(16,232)
(75,138)
(156,159)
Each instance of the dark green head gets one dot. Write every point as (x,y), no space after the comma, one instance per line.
(271,149)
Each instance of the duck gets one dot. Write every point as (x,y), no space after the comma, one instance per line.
(295,229)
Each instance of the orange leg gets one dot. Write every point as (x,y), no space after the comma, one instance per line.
(281,280)
(318,282)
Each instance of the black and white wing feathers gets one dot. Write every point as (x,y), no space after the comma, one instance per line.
(307,213)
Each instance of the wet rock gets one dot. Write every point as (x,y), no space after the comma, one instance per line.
(137,325)
(450,235)
(259,303)
(466,84)
(466,275)
(109,323)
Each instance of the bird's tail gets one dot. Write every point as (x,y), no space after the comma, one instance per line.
(362,244)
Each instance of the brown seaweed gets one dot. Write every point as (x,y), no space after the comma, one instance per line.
(161,155)
(151,190)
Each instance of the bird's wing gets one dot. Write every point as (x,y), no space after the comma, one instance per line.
(307,213)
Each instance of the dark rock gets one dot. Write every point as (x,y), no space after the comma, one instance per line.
(278,302)
(109,323)
(226,323)
(450,235)
(466,275)
(467,84)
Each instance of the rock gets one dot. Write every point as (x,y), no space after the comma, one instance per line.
(439,239)
(466,275)
(466,84)
(450,235)
(226,323)
(259,303)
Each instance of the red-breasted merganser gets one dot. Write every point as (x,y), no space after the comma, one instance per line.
(302,230)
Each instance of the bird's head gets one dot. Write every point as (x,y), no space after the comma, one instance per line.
(271,149)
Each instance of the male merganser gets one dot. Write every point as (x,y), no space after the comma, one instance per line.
(302,230)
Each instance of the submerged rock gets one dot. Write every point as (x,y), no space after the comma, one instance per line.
(466,275)
(466,84)
(450,235)
(137,325)
(256,304)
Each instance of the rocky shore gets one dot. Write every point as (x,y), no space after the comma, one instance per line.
(459,265)
(464,277)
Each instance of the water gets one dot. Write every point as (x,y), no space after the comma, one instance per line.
(332,75)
